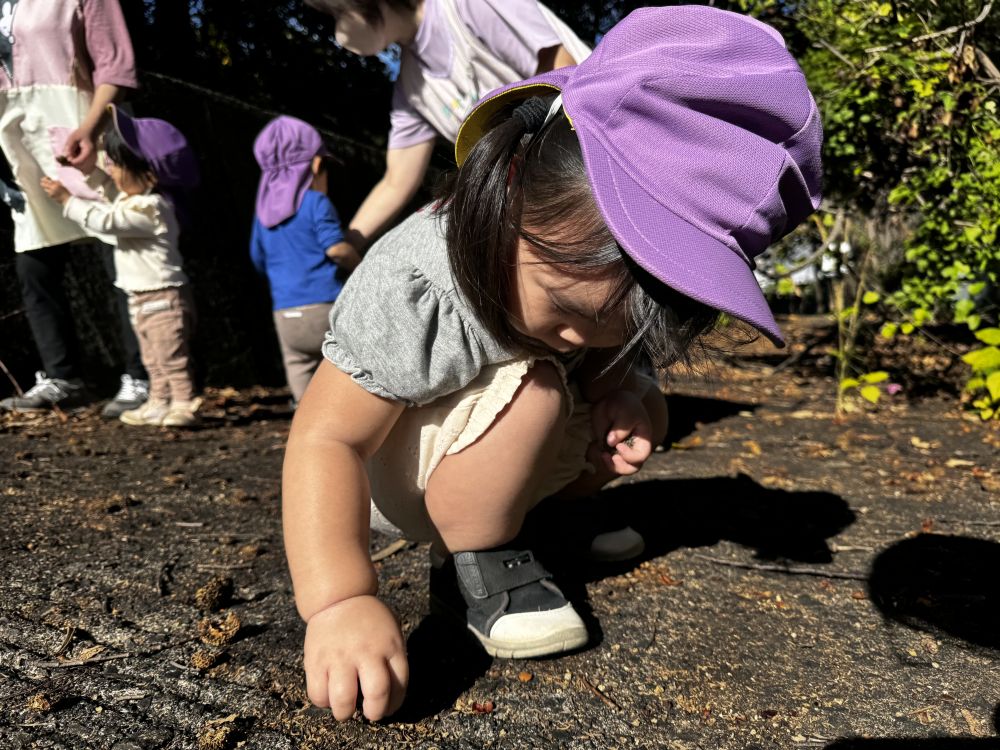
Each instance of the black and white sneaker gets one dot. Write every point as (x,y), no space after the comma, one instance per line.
(132,394)
(508,601)
(47,393)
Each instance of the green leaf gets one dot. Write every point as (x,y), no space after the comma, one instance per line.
(993,385)
(975,384)
(885,9)
(989,336)
(878,376)
(977,288)
(986,414)
(983,360)
(888,330)
(870,298)
(973,322)
(871,393)
(786,287)
(906,328)
(847,383)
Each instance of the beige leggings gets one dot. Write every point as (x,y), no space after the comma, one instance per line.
(164,324)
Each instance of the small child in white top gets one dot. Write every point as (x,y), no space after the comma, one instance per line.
(149,159)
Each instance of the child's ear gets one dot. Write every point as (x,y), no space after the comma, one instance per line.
(317,165)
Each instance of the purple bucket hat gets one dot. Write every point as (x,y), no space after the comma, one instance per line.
(701,142)
(162,145)
(284,149)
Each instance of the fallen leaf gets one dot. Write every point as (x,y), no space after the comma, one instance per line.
(953,463)
(486,707)
(685,445)
(753,446)
(525,676)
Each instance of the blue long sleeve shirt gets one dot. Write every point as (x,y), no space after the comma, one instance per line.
(293,254)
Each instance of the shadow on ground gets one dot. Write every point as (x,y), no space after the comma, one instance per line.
(930,743)
(674,513)
(941,584)
(688,412)
(445,661)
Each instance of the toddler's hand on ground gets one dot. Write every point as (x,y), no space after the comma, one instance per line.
(622,432)
(55,189)
(356,641)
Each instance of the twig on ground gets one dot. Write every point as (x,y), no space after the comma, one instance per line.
(70,633)
(189,524)
(607,701)
(17,388)
(78,662)
(850,548)
(392,549)
(794,571)
(208,566)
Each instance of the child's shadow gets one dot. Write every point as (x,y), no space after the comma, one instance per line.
(946,585)
(929,743)
(674,513)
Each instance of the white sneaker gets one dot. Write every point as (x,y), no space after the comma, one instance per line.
(49,392)
(182,414)
(152,412)
(132,393)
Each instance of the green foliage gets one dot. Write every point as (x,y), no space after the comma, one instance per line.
(908,95)
(866,384)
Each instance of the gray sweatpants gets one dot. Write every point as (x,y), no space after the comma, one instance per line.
(300,332)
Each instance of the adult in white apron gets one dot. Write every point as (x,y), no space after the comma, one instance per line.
(61,63)
(454,52)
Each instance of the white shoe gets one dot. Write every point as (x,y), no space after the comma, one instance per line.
(132,393)
(152,412)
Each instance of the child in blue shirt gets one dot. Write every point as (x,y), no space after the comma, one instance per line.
(298,243)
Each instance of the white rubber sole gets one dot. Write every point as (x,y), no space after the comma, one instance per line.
(529,634)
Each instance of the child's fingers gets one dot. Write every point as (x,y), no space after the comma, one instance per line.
(342,688)
(317,685)
(376,687)
(399,668)
(623,467)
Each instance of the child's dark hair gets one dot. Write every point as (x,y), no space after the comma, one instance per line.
(370,10)
(545,198)
(119,153)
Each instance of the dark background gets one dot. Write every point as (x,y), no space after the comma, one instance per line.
(219,70)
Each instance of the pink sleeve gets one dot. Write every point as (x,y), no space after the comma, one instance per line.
(514,30)
(407,127)
(108,43)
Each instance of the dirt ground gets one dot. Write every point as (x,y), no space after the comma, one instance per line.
(808,583)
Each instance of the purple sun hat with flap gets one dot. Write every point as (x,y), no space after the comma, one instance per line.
(701,142)
(284,149)
(162,145)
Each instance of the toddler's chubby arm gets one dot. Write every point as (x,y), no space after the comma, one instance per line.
(351,637)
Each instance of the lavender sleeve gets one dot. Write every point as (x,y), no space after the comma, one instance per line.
(514,30)
(108,43)
(407,127)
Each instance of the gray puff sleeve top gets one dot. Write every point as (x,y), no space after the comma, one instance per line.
(400,328)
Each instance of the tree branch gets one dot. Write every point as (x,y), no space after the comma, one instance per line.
(943,32)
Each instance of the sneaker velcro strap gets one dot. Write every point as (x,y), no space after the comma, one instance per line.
(485,574)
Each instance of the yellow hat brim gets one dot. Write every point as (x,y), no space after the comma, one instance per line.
(475,124)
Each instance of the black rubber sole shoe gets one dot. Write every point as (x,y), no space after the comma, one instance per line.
(508,601)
